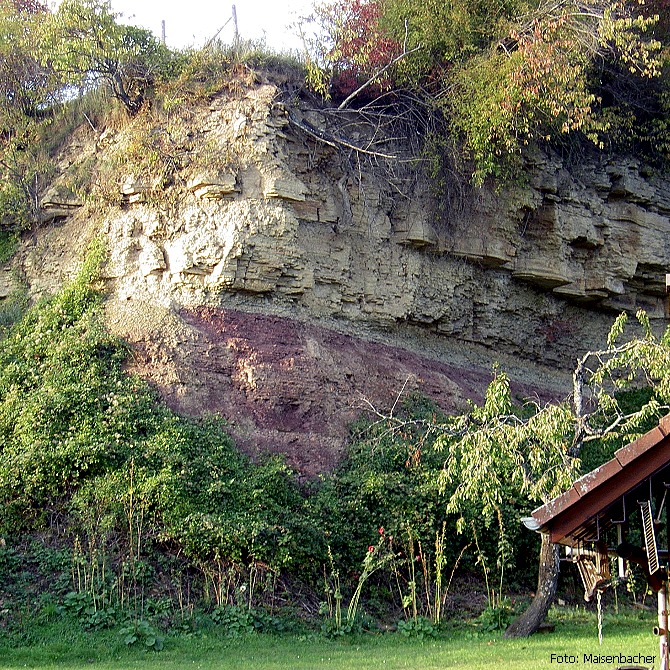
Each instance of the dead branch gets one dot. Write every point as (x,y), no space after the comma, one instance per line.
(376,76)
(402,390)
(332,140)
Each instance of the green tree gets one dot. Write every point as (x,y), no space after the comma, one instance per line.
(25,80)
(498,454)
(537,449)
(87,46)
(450,32)
(26,91)
(540,82)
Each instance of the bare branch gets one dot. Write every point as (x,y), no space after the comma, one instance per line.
(402,390)
(333,141)
(376,76)
(622,418)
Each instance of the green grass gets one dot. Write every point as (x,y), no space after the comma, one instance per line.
(63,646)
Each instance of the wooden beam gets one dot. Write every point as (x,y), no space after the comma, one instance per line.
(602,488)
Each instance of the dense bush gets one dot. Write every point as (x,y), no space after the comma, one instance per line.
(90,450)
(387,480)
(389,484)
(503,74)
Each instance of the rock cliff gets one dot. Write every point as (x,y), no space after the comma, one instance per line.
(277,280)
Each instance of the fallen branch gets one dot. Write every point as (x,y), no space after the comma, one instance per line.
(332,140)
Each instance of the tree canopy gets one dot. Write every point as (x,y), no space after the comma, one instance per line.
(25,79)
(506,73)
(86,45)
(79,45)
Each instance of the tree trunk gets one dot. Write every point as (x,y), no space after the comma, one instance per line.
(547,582)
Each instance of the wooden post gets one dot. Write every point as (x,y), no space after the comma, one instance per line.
(620,562)
(237,34)
(662,629)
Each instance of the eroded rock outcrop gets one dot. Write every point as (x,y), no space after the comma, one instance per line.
(280,286)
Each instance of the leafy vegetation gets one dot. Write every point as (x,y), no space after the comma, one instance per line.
(133,502)
(506,74)
(147,518)
(84,45)
(90,457)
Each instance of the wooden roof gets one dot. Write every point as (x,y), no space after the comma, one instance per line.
(605,496)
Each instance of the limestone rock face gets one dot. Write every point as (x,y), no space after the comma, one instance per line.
(57,204)
(295,283)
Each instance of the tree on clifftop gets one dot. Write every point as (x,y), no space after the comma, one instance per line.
(87,46)
(27,90)
(25,80)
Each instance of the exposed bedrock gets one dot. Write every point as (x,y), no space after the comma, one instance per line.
(284,289)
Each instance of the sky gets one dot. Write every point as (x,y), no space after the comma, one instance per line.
(191,23)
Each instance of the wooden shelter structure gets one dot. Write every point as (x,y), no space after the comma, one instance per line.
(625,498)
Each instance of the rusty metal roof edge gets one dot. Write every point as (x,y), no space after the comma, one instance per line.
(591,481)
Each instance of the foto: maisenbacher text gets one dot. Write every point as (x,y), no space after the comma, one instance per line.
(626,659)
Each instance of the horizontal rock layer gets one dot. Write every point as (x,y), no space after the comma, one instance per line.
(287,270)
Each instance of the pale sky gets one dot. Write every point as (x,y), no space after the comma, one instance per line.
(193,22)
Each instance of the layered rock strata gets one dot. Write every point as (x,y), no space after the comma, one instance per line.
(281,282)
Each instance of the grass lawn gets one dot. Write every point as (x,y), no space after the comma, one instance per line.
(67,648)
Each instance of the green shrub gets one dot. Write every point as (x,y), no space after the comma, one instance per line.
(388,481)
(81,438)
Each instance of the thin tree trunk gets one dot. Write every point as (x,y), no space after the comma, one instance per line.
(547,582)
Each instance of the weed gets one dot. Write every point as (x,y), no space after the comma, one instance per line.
(234,620)
(421,628)
(142,633)
(496,617)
